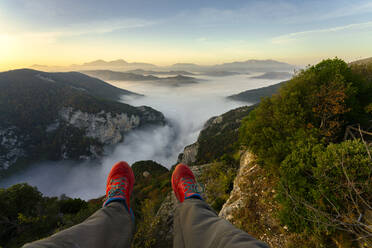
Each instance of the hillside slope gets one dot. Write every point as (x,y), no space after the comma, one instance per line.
(118,76)
(62,116)
(254,96)
(218,138)
(174,81)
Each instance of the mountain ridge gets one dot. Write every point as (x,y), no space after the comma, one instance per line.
(63,116)
(255,95)
(122,65)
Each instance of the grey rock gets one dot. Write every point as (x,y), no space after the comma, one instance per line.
(11,145)
(189,154)
(237,195)
(109,129)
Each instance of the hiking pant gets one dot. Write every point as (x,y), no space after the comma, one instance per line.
(195,225)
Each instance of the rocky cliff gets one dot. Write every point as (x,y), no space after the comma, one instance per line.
(106,127)
(11,146)
(217,138)
(252,206)
(57,116)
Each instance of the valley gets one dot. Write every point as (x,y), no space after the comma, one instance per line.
(186,109)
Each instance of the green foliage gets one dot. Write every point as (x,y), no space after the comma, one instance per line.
(27,216)
(150,166)
(254,96)
(148,194)
(220,136)
(145,235)
(318,102)
(324,185)
(323,190)
(72,206)
(218,180)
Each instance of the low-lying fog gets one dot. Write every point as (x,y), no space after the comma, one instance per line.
(186,108)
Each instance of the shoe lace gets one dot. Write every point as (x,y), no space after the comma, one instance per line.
(189,186)
(118,187)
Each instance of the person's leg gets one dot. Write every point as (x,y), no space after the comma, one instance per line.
(112,226)
(197,225)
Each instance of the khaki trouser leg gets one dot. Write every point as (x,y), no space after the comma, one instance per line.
(109,227)
(197,225)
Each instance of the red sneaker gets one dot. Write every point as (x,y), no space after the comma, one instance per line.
(120,183)
(184,183)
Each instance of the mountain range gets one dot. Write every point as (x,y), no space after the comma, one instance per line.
(122,65)
(108,75)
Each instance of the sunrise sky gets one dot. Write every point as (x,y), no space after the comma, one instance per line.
(64,32)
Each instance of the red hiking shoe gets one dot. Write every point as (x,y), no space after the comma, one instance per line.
(184,183)
(120,183)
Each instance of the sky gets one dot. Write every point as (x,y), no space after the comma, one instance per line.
(163,32)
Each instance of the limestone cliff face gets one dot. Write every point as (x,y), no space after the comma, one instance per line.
(239,195)
(73,126)
(11,146)
(189,154)
(106,127)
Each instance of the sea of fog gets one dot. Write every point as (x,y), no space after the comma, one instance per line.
(186,109)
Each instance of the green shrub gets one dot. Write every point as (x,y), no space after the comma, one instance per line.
(218,179)
(324,190)
(72,206)
(145,235)
(319,102)
(27,216)
(298,135)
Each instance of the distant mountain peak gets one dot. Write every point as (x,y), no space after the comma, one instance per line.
(101,62)
(184,64)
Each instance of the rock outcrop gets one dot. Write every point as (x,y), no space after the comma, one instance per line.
(216,138)
(11,146)
(189,154)
(104,126)
(252,205)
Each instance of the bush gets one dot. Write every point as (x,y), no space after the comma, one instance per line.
(26,215)
(324,190)
(218,179)
(318,102)
(72,206)
(145,235)
(297,134)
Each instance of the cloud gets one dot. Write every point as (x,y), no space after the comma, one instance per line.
(255,12)
(349,10)
(29,41)
(106,26)
(305,34)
